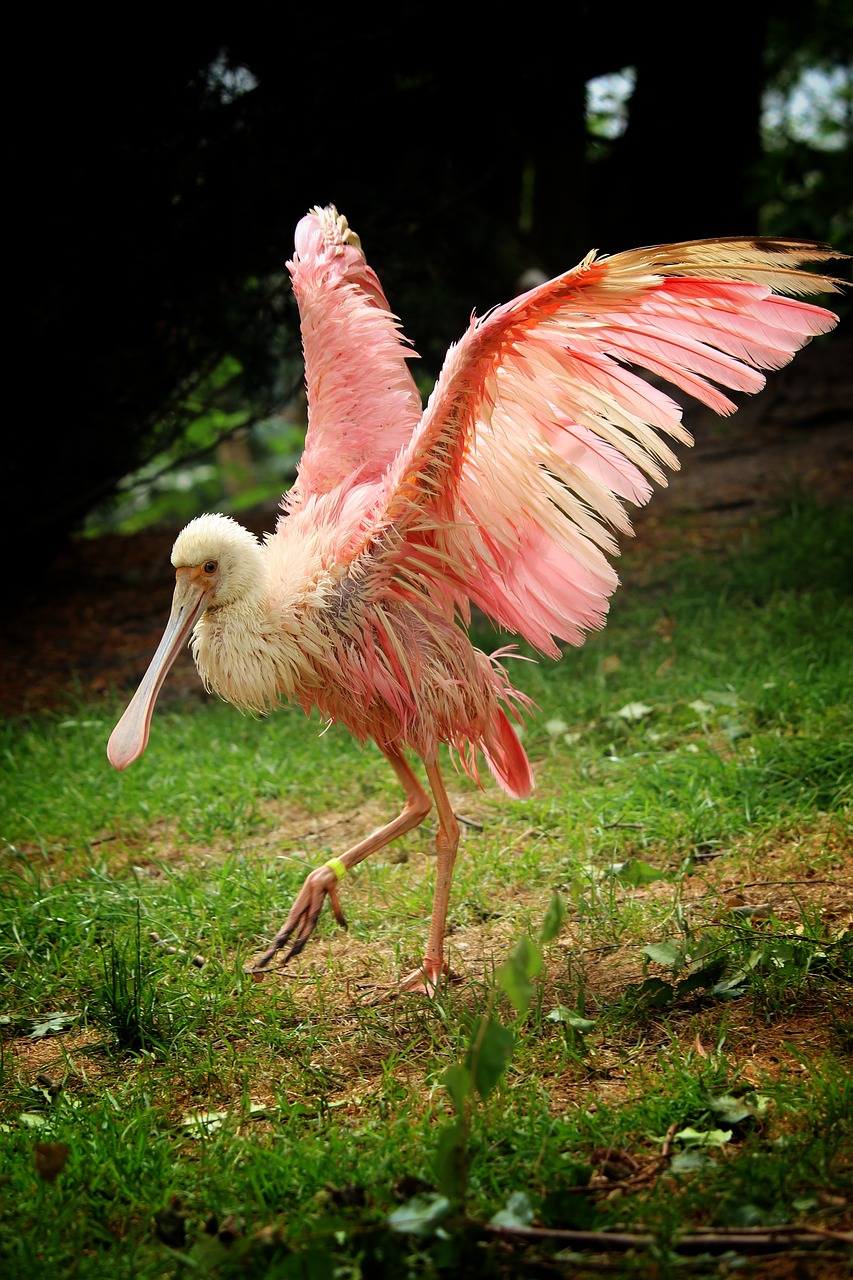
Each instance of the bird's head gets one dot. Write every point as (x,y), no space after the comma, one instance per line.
(218,564)
(222,558)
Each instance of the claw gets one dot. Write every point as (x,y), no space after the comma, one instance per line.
(423,981)
(303,917)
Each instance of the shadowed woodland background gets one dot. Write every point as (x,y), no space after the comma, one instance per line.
(160,174)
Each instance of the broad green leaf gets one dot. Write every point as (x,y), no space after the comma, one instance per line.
(636,873)
(703,976)
(730,1110)
(451,1160)
(743,1213)
(654,993)
(199,1123)
(734,1111)
(570,1210)
(729,988)
(518,1212)
(553,922)
(803,1204)
(721,697)
(515,984)
(420,1215)
(527,957)
(50,1023)
(492,1055)
(573,1020)
(733,728)
(704,1137)
(705,945)
(514,974)
(665,953)
(634,711)
(32,1119)
(689,1161)
(457,1081)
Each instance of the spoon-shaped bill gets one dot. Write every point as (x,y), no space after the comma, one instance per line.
(129,738)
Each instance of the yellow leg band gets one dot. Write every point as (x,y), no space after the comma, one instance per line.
(335,864)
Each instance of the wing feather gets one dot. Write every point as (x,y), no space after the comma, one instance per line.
(539,426)
(363,404)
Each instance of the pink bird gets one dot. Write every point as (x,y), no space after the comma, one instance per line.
(503,493)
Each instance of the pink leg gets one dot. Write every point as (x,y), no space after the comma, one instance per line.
(426,978)
(323,882)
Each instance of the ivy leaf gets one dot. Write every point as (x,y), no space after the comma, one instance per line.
(721,697)
(492,1056)
(518,1212)
(747,1214)
(740,1113)
(654,993)
(728,989)
(51,1023)
(200,1123)
(634,711)
(514,974)
(689,1161)
(669,954)
(457,1081)
(636,873)
(704,1137)
(555,727)
(567,1208)
(32,1119)
(451,1161)
(553,922)
(573,1020)
(420,1215)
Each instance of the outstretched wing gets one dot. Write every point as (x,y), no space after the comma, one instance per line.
(363,405)
(538,428)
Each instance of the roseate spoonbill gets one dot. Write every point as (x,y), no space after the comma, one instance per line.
(503,492)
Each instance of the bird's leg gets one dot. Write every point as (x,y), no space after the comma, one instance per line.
(323,881)
(426,978)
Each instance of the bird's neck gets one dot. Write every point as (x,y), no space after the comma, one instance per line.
(247,654)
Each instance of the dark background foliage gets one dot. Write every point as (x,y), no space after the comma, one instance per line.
(155,197)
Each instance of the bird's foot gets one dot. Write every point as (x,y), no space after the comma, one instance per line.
(422,981)
(304,914)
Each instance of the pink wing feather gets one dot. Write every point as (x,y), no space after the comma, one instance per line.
(536,429)
(363,404)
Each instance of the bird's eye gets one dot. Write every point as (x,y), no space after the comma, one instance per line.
(211,566)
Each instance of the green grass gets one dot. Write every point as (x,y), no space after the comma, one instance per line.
(675,1057)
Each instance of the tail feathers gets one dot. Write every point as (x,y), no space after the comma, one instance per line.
(507,758)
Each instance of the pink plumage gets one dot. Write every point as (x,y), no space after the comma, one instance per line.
(504,492)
